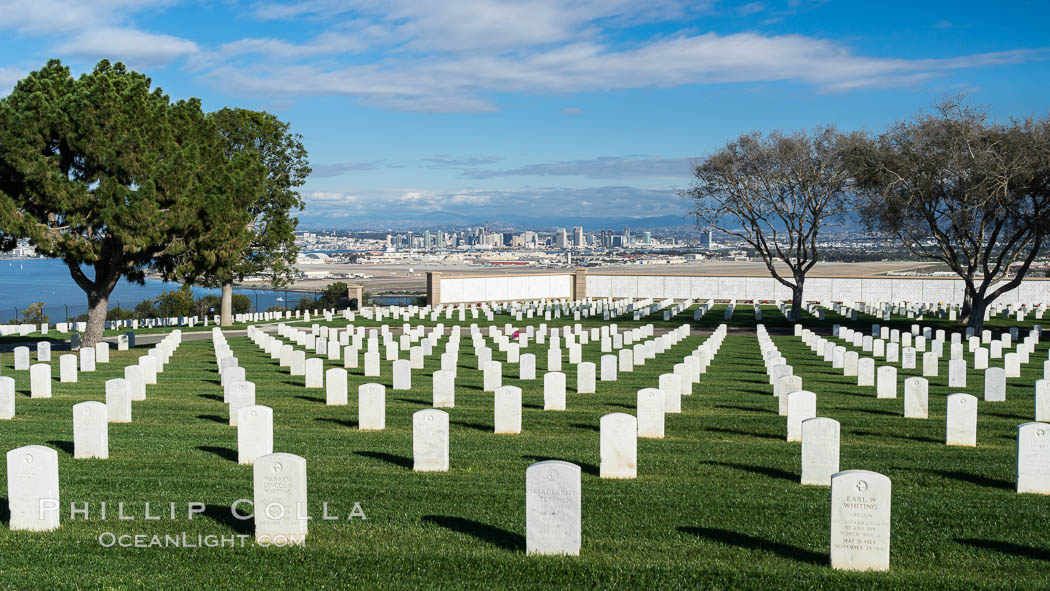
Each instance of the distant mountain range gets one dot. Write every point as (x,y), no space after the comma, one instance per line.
(509,221)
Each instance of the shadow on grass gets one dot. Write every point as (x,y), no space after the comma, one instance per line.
(973,479)
(214,397)
(747,408)
(532,406)
(763,470)
(311,399)
(401,461)
(298,384)
(585,468)
(874,411)
(216,382)
(484,532)
(747,433)
(214,419)
(343,422)
(619,405)
(223,452)
(586,426)
(475,426)
(414,401)
(895,436)
(1008,416)
(5,511)
(740,540)
(1006,548)
(222,515)
(66,446)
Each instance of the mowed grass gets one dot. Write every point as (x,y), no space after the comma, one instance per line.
(716,504)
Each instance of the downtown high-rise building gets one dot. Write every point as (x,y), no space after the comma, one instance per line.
(577,237)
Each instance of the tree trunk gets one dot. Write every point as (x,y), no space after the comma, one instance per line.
(967,308)
(796,299)
(977,307)
(227,304)
(98,308)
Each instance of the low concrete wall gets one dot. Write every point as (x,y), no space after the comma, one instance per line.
(446,289)
(837,289)
(455,289)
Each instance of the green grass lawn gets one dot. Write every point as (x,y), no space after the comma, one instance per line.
(716,504)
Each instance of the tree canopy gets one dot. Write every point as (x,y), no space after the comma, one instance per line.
(776,193)
(253,231)
(959,189)
(107,174)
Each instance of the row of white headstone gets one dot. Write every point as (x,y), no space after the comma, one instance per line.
(860,499)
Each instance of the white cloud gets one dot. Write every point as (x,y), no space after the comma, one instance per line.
(604,167)
(132,46)
(464,82)
(471,25)
(36,17)
(8,78)
(329,43)
(528,202)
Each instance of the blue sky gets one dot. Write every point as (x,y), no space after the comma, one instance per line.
(570,109)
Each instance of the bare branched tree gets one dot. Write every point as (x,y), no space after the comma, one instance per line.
(776,193)
(963,191)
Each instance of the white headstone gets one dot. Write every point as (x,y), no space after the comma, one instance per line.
(444,386)
(672,388)
(492,377)
(136,384)
(1033,458)
(651,413)
(995,384)
(372,364)
(430,441)
(961,420)
(280,499)
(820,450)
(90,430)
(402,374)
(67,369)
(508,409)
(930,364)
(554,391)
(87,359)
(254,433)
(916,398)
(608,368)
(32,488)
(7,398)
(371,407)
(335,387)
(887,385)
(860,521)
(801,406)
(553,517)
(21,358)
(619,446)
(1042,399)
(957,373)
(40,381)
(118,401)
(866,372)
(527,366)
(585,382)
